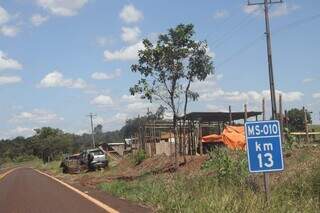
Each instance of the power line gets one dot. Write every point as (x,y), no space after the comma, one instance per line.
(233,12)
(230,33)
(241,50)
(246,47)
(297,23)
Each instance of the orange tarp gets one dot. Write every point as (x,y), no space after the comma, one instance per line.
(232,136)
(212,138)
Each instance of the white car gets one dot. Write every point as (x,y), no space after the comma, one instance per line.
(94,158)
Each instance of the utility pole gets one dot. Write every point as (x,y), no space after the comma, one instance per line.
(266,4)
(91,115)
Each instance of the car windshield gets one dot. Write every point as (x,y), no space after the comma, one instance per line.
(97,152)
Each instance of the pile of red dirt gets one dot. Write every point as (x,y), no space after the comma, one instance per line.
(159,164)
(193,164)
(162,164)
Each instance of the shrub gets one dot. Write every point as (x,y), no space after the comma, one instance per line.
(229,166)
(24,158)
(139,156)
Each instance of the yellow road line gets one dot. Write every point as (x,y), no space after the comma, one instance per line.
(93,200)
(2,176)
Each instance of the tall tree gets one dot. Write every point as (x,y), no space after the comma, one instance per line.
(296,119)
(168,68)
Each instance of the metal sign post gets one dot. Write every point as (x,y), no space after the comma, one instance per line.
(266,3)
(264,148)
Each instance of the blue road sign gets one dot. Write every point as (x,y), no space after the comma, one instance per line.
(264,148)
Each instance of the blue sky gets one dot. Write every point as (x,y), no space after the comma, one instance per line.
(62,59)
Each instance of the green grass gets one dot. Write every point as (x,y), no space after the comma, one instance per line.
(53,166)
(221,186)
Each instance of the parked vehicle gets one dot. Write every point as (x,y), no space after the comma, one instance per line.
(71,164)
(94,159)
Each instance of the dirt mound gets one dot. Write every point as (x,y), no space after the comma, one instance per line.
(162,164)
(193,164)
(154,165)
(125,170)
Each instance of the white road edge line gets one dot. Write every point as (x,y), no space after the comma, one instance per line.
(93,200)
(2,176)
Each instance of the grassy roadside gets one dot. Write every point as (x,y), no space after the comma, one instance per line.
(223,185)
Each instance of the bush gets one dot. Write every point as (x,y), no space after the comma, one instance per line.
(315,183)
(24,158)
(139,156)
(229,166)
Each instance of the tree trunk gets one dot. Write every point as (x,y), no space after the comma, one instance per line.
(184,120)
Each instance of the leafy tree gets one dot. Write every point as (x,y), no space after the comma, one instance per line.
(296,119)
(98,129)
(168,68)
(132,125)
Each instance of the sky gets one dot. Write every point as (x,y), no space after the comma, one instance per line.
(63,59)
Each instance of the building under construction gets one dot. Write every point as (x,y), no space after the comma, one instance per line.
(156,136)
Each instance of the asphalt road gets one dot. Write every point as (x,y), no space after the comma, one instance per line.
(26,191)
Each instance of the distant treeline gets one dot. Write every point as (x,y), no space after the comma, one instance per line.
(50,144)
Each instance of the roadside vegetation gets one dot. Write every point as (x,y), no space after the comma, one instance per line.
(224,185)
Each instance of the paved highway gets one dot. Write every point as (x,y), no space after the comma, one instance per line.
(25,190)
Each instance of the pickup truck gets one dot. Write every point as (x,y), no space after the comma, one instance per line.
(70,164)
(94,159)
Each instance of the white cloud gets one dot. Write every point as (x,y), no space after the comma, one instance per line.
(5,29)
(291,96)
(9,79)
(82,131)
(9,31)
(130,34)
(283,9)
(209,90)
(252,9)
(37,116)
(248,96)
(221,14)
(4,16)
(316,95)
(278,10)
(211,53)
(130,14)
(98,120)
(8,63)
(308,80)
(135,105)
(105,41)
(124,54)
(62,7)
(23,131)
(215,108)
(106,76)
(102,101)
(38,19)
(56,79)
(117,119)
(130,98)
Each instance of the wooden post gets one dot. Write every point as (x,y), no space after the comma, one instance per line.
(200,137)
(245,113)
(286,119)
(195,138)
(263,109)
(281,118)
(306,124)
(230,115)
